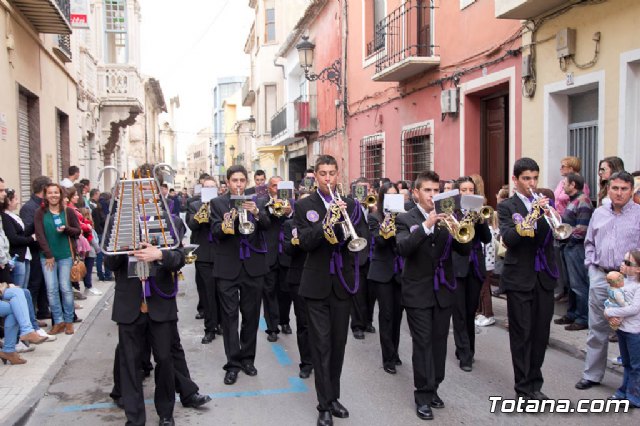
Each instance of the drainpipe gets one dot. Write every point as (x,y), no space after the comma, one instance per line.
(276,64)
(345,139)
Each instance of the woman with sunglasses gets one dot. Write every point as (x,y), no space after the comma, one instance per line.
(19,242)
(606,167)
(627,319)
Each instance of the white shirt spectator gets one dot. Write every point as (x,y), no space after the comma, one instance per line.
(66,183)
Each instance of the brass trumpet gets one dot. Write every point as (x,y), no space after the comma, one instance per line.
(561,231)
(245,226)
(190,257)
(357,243)
(371,200)
(462,231)
(277,206)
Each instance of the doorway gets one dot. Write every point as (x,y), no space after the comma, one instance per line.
(494,145)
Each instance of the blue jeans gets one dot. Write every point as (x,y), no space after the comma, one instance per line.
(630,352)
(59,287)
(88,263)
(20,273)
(14,307)
(578,281)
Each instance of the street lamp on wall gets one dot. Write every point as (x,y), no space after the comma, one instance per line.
(331,73)
(252,124)
(232,151)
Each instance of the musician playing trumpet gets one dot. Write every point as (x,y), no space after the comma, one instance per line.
(327,281)
(240,266)
(199,221)
(428,289)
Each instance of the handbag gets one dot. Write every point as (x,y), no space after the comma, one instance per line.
(78,269)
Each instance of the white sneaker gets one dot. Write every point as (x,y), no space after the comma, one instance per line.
(50,337)
(479,319)
(22,348)
(486,321)
(93,291)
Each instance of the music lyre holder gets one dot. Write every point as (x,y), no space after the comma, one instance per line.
(138,214)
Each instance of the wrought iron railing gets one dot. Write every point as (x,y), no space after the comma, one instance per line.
(406,33)
(64,44)
(279,122)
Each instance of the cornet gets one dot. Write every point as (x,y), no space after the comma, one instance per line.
(356,243)
(371,200)
(245,226)
(561,231)
(462,231)
(277,206)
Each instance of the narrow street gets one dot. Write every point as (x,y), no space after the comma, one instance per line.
(79,394)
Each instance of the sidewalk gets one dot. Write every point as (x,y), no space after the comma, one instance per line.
(22,386)
(573,343)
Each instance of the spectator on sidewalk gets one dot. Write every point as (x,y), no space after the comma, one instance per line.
(628,320)
(606,167)
(99,216)
(36,283)
(90,256)
(69,181)
(18,241)
(577,213)
(568,165)
(5,256)
(614,230)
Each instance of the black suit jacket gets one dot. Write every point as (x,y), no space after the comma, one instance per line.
(422,253)
(227,261)
(201,233)
(27,214)
(384,253)
(519,272)
(316,280)
(298,256)
(272,235)
(461,264)
(18,241)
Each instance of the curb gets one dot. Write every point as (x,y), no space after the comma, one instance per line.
(23,411)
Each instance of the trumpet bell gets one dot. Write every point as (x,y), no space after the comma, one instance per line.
(357,244)
(371,200)
(486,212)
(465,234)
(563,231)
(246,228)
(190,258)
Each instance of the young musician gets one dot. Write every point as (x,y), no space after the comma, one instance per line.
(240,266)
(384,275)
(428,288)
(470,272)
(529,277)
(327,281)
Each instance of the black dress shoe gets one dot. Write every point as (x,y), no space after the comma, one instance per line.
(563,320)
(391,369)
(338,410)
(76,320)
(218,330)
(272,337)
(586,384)
(196,400)
(118,402)
(249,369)
(324,419)
(575,327)
(424,412)
(305,373)
(398,362)
(286,329)
(538,395)
(200,315)
(166,422)
(209,337)
(523,395)
(230,377)
(436,401)
(358,334)
(370,328)
(465,367)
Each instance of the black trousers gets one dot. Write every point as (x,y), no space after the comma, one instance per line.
(389,320)
(185,387)
(302,327)
(241,295)
(529,314)
(270,297)
(467,298)
(363,301)
(37,287)
(328,330)
(210,304)
(429,331)
(130,352)
(285,298)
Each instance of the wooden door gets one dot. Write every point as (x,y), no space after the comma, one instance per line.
(495,146)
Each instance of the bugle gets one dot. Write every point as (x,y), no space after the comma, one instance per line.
(357,243)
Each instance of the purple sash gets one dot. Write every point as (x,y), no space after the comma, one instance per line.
(156,289)
(335,268)
(541,259)
(398,264)
(440,277)
(473,258)
(246,248)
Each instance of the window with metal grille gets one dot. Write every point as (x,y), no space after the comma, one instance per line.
(62,144)
(417,152)
(583,143)
(372,157)
(116,29)
(270,25)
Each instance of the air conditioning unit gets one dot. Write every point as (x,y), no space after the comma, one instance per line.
(449,101)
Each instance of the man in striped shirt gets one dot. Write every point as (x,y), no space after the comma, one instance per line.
(614,230)
(577,213)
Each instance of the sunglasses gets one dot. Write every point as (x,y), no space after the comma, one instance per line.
(629,263)
(10,191)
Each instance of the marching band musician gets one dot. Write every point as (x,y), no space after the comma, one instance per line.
(328,278)
(470,272)
(384,274)
(428,288)
(275,281)
(294,273)
(240,266)
(198,221)
(529,277)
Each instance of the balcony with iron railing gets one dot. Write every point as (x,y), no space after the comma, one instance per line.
(279,122)
(47,16)
(120,85)
(525,9)
(63,49)
(403,42)
(248,95)
(305,115)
